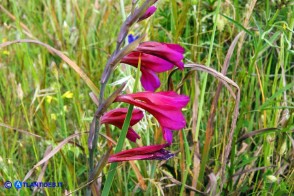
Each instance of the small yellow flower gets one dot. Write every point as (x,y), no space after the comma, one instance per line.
(6,52)
(53,116)
(49,99)
(65,108)
(67,95)
(284,26)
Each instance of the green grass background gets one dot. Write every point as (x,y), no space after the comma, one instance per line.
(41,94)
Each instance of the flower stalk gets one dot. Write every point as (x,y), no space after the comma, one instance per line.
(117,55)
(149,58)
(121,139)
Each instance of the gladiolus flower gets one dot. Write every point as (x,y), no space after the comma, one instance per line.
(149,12)
(153,152)
(166,107)
(155,58)
(117,117)
(150,65)
(170,52)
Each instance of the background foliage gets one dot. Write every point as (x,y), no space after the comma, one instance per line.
(40,94)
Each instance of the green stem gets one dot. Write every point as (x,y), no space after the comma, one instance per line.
(149,188)
(188,161)
(118,148)
(122,7)
(205,154)
(95,140)
(121,138)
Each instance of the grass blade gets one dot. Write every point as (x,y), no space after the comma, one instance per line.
(72,64)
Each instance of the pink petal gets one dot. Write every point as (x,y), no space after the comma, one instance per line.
(169,52)
(132,135)
(162,155)
(149,80)
(148,61)
(169,116)
(115,158)
(153,152)
(142,150)
(168,99)
(117,117)
(176,47)
(167,135)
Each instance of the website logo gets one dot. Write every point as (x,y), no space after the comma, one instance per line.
(8,184)
(18,184)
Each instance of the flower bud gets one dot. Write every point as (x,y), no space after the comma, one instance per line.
(149,12)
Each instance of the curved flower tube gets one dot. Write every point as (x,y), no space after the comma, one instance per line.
(153,152)
(117,117)
(166,107)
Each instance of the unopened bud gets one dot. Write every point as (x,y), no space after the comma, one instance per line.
(149,12)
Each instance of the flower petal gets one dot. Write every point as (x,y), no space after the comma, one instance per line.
(168,99)
(153,152)
(132,135)
(167,135)
(149,80)
(117,117)
(142,150)
(168,52)
(148,61)
(165,107)
(176,47)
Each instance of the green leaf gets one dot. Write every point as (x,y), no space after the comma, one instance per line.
(237,24)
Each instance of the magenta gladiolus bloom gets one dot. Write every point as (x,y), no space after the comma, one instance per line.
(166,107)
(154,152)
(150,65)
(149,12)
(155,58)
(117,117)
(170,52)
